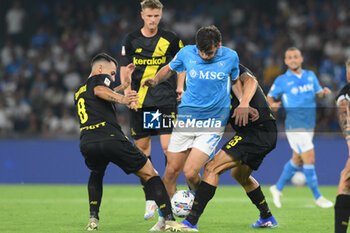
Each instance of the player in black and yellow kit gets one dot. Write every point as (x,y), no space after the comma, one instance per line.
(342,203)
(150,48)
(102,141)
(254,138)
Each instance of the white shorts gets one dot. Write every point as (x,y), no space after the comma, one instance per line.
(300,140)
(204,141)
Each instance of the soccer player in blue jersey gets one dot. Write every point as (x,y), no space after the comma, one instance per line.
(243,153)
(298,89)
(205,106)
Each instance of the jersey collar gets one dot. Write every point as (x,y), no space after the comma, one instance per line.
(289,73)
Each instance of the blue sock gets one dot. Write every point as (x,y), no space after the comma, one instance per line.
(311,178)
(288,171)
(160,213)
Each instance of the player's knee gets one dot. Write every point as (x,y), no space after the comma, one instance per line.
(172,171)
(190,174)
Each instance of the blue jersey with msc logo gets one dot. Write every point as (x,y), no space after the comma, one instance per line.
(298,97)
(208,83)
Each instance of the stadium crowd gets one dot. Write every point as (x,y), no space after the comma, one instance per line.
(46,46)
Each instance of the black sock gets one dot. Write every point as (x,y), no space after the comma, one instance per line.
(95,192)
(342,213)
(143,184)
(157,189)
(204,194)
(258,199)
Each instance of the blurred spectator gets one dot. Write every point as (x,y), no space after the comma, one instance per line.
(15,22)
(71,79)
(40,38)
(51,123)
(6,125)
(68,125)
(19,111)
(185,28)
(33,127)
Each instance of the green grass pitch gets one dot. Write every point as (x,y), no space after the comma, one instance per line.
(64,208)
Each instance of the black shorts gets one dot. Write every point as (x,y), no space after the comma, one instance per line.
(252,144)
(119,151)
(143,124)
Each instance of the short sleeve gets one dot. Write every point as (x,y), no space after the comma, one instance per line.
(101,80)
(177,63)
(176,46)
(276,89)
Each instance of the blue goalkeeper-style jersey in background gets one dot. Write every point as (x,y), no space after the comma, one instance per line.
(298,97)
(208,83)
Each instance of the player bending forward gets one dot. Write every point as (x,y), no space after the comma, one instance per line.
(243,153)
(102,141)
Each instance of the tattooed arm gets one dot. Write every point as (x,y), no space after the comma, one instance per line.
(344,118)
(109,95)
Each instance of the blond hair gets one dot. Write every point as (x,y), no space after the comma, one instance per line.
(152,4)
(347,64)
(292,49)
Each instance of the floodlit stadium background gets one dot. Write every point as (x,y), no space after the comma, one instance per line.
(46,47)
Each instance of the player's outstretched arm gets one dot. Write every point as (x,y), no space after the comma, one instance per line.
(125,78)
(121,88)
(109,95)
(163,74)
(125,81)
